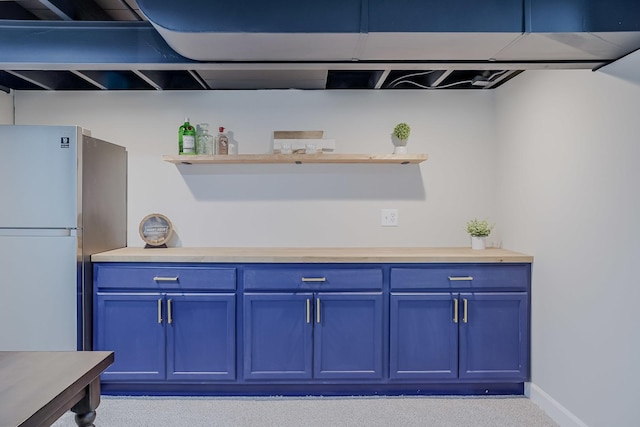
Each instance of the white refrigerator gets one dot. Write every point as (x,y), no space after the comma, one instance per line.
(63,197)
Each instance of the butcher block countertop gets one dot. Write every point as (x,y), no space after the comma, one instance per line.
(311,255)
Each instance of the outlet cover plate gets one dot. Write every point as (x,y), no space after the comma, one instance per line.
(389,217)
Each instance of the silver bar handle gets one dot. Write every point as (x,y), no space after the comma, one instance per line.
(314,279)
(455,310)
(460,278)
(165,279)
(318,310)
(169,314)
(308,310)
(464,317)
(160,310)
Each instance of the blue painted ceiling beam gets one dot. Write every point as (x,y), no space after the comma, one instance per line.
(84,43)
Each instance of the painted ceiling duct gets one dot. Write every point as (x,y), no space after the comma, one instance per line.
(400,30)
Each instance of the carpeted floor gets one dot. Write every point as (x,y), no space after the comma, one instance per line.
(508,411)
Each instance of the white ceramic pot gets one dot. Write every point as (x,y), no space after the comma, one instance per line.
(477,242)
(400,149)
(399,145)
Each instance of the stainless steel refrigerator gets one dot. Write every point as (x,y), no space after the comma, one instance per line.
(63,197)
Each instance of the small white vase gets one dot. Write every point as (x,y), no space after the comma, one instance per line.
(400,149)
(399,145)
(477,242)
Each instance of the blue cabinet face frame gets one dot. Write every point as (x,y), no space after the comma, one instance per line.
(297,329)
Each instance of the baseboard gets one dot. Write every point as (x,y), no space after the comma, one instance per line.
(555,410)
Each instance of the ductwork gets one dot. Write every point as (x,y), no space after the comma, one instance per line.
(401,30)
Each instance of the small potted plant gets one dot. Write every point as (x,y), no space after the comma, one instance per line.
(400,138)
(478,231)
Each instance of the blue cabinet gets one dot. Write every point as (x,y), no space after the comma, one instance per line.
(494,338)
(278,336)
(305,336)
(348,336)
(423,337)
(165,335)
(317,328)
(313,322)
(201,337)
(127,324)
(480,336)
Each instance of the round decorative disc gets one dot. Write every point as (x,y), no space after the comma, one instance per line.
(155,229)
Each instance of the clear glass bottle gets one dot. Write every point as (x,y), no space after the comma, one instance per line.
(233,144)
(186,138)
(222,142)
(204,140)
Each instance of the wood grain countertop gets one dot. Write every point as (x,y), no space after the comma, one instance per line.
(311,255)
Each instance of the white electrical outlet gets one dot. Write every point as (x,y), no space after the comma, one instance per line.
(389,218)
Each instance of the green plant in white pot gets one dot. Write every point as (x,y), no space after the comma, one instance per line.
(400,138)
(478,230)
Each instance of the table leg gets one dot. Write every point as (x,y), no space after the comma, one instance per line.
(86,420)
(85,409)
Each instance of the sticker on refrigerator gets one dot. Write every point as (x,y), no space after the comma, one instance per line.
(64,142)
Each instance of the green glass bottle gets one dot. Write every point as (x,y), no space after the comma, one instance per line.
(186,138)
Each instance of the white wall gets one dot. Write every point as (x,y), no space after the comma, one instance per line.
(297,205)
(569,152)
(6,108)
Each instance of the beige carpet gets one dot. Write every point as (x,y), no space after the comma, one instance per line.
(317,411)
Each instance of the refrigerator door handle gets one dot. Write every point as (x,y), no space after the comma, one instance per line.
(38,232)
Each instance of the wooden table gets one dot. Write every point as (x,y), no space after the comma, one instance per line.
(38,387)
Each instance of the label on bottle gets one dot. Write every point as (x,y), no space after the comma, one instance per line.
(188,144)
(223,144)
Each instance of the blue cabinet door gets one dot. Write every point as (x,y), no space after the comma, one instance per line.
(494,339)
(423,336)
(132,326)
(200,336)
(278,336)
(348,335)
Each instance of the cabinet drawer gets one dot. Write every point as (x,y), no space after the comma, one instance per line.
(514,276)
(164,277)
(309,278)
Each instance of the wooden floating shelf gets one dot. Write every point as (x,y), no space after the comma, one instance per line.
(402,159)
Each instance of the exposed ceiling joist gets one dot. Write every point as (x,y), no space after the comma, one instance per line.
(203,84)
(382,78)
(70,10)
(442,77)
(12,10)
(33,78)
(85,75)
(150,81)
